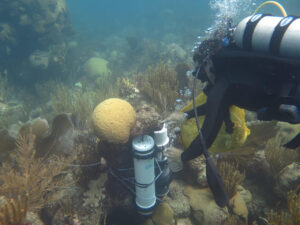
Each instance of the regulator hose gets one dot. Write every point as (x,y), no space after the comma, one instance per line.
(281,8)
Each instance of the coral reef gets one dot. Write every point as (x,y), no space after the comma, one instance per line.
(231,176)
(181,71)
(39,59)
(177,200)
(293,198)
(95,196)
(13,212)
(96,67)
(174,53)
(196,171)
(204,209)
(113,119)
(163,215)
(161,85)
(291,217)
(277,156)
(38,126)
(287,179)
(61,139)
(7,144)
(86,152)
(28,29)
(38,16)
(3,86)
(62,100)
(248,155)
(11,112)
(78,103)
(232,220)
(42,179)
(147,121)
(104,87)
(126,88)
(239,207)
(281,218)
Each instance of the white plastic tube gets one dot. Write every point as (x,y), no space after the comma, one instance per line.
(161,137)
(144,173)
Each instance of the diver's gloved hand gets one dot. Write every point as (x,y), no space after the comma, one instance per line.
(193,151)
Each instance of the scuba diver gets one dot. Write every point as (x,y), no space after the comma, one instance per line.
(255,66)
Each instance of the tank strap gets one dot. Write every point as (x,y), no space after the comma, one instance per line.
(279,32)
(250,26)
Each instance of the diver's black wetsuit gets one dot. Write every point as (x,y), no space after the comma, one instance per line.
(259,82)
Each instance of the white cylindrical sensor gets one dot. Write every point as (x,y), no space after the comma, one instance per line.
(144,173)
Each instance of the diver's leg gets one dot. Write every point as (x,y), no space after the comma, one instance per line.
(217,105)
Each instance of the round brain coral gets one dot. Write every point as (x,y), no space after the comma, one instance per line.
(113,119)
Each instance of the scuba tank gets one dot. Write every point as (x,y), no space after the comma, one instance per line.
(278,35)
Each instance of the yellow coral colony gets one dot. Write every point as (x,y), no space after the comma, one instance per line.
(113,119)
(224,141)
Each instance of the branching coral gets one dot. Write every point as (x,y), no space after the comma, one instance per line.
(291,217)
(78,103)
(41,178)
(232,220)
(277,156)
(293,198)
(161,85)
(62,100)
(105,88)
(81,101)
(232,177)
(83,105)
(279,218)
(13,212)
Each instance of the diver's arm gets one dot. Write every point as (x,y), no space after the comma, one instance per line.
(201,110)
(217,106)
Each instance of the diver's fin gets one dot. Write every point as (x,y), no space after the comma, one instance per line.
(193,151)
(294,143)
(216,183)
